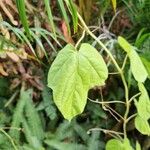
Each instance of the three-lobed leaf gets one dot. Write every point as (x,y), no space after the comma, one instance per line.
(72,74)
(138,70)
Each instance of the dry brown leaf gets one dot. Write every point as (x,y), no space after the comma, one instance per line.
(22,54)
(66,33)
(7,12)
(2,71)
(13,56)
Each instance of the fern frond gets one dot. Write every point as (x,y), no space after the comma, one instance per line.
(31,139)
(64,146)
(50,109)
(18,113)
(33,119)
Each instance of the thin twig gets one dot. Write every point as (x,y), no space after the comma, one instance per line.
(132,116)
(106,109)
(79,41)
(106,131)
(114,17)
(115,112)
(12,98)
(124,62)
(133,97)
(105,102)
(113,73)
(9,137)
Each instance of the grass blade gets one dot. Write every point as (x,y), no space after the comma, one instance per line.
(23,17)
(50,17)
(73,12)
(64,13)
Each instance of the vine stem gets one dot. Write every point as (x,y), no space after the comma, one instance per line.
(117,67)
(106,132)
(79,41)
(105,102)
(99,42)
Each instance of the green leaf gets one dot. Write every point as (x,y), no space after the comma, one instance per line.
(138,70)
(143,105)
(115,144)
(137,67)
(146,62)
(143,109)
(126,145)
(142,125)
(138,147)
(72,74)
(114,4)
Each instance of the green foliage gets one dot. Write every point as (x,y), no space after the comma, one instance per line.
(32,121)
(64,13)
(4,83)
(138,70)
(115,144)
(49,13)
(73,11)
(71,71)
(26,115)
(139,13)
(64,146)
(146,61)
(143,109)
(23,17)
(48,104)
(142,125)
(33,31)
(114,4)
(138,147)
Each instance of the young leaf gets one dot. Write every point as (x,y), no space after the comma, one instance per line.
(143,109)
(115,144)
(146,62)
(138,147)
(142,125)
(143,105)
(72,74)
(138,70)
(114,4)
(126,145)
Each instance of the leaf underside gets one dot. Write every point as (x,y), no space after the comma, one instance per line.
(72,74)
